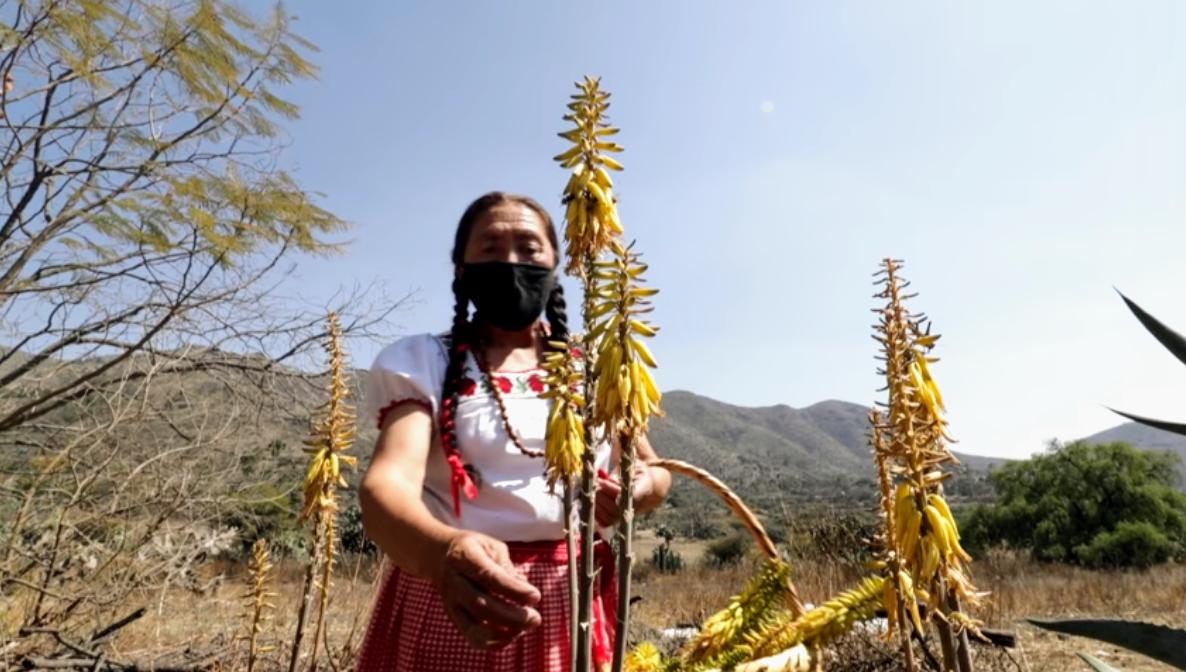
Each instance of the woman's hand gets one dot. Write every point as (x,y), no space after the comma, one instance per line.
(488,600)
(609,493)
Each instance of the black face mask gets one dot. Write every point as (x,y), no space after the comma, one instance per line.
(508,296)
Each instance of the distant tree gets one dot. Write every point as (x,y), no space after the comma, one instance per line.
(145,210)
(146,224)
(1107,505)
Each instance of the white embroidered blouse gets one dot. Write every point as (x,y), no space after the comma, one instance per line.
(513,502)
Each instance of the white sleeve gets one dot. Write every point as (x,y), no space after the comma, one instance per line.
(410,370)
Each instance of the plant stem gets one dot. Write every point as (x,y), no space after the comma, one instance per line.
(963,650)
(588,492)
(327,568)
(905,626)
(570,538)
(946,639)
(625,547)
(306,599)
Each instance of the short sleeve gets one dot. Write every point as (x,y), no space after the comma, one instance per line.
(410,370)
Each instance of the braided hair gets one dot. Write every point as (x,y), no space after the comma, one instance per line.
(463,337)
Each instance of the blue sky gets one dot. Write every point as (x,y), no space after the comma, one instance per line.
(1023,158)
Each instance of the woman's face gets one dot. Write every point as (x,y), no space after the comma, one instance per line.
(510,232)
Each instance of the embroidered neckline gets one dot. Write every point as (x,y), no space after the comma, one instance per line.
(530,383)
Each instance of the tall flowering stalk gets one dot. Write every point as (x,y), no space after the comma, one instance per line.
(922,540)
(331,437)
(920,561)
(616,363)
(564,451)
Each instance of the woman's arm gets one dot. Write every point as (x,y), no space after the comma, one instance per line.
(660,478)
(651,485)
(393,515)
(482,592)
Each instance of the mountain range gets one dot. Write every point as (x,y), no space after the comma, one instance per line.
(820,452)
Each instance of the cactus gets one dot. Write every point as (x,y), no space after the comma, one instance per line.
(666,560)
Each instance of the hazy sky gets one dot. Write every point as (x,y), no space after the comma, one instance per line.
(1023,158)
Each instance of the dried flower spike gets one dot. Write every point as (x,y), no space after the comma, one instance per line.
(258,602)
(332,435)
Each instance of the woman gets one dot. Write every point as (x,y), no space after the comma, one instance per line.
(455,494)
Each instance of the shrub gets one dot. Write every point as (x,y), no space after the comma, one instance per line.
(1131,544)
(1107,505)
(727,551)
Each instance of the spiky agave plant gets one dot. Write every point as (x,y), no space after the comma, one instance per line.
(1172,341)
(332,435)
(258,602)
(921,534)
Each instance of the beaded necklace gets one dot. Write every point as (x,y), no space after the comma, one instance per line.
(480,357)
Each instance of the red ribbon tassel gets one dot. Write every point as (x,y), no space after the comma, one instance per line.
(461,483)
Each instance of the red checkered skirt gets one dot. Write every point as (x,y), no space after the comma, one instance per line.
(410,632)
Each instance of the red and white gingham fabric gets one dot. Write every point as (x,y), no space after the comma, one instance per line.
(410,632)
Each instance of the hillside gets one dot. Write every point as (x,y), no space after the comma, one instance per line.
(1143,436)
(779,455)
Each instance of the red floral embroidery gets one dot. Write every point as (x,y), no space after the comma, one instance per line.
(504,384)
(467,386)
(535,383)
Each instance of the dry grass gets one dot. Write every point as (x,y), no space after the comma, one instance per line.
(183,619)
(1020,588)
(1023,588)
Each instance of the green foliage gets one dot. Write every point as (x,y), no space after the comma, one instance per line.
(727,551)
(265,511)
(350,533)
(1131,544)
(142,163)
(1107,505)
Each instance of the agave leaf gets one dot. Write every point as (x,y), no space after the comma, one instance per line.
(1095,663)
(1156,641)
(1175,427)
(1172,340)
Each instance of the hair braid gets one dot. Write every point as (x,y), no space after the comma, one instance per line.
(556,311)
(459,345)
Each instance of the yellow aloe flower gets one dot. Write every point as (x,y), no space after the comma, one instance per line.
(591,212)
